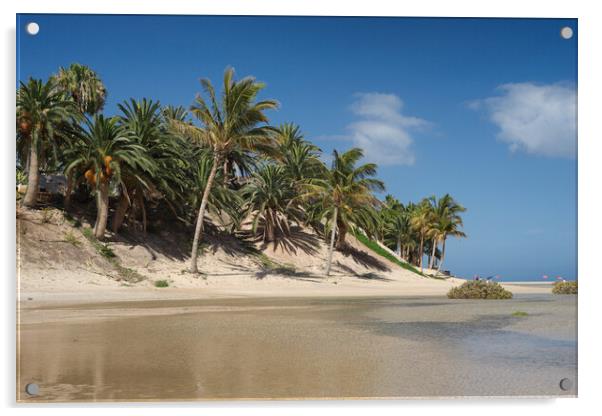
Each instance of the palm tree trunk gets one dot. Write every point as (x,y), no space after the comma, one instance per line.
(421,252)
(226,171)
(120,212)
(342,235)
(68,191)
(442,254)
(198,231)
(33,178)
(140,198)
(332,238)
(432,263)
(269,223)
(102,198)
(398,249)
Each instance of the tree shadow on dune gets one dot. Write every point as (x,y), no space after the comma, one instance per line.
(364,276)
(364,259)
(291,243)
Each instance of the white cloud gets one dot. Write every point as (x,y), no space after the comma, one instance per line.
(537,119)
(383,131)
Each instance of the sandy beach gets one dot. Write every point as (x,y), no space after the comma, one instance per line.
(281,329)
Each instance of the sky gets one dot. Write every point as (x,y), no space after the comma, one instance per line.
(483,109)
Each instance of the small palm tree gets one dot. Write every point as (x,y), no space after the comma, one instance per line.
(346,196)
(299,157)
(105,150)
(44,117)
(84,86)
(235,122)
(271,196)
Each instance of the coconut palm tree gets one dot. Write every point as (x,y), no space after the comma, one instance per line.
(421,221)
(346,196)
(271,197)
(84,86)
(450,222)
(105,150)
(236,121)
(44,115)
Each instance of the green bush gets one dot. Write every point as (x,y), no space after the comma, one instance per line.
(72,239)
(479,289)
(565,288)
(161,283)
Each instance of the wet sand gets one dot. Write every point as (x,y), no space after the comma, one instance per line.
(288,348)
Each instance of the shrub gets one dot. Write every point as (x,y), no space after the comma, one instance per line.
(519,313)
(565,288)
(102,248)
(72,239)
(161,283)
(479,289)
(47,214)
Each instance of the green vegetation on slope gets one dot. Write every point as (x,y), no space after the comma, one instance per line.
(372,245)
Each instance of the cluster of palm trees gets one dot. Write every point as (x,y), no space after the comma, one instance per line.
(220,162)
(416,230)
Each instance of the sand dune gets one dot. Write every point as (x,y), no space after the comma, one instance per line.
(56,263)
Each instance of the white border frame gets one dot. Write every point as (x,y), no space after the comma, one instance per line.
(590,200)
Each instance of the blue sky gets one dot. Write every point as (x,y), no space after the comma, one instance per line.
(481,108)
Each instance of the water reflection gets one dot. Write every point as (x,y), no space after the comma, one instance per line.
(333,349)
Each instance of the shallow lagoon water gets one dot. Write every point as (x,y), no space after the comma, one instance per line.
(299,348)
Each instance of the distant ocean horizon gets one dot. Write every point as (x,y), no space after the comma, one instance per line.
(497,278)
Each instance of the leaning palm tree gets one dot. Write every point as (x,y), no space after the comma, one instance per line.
(236,121)
(346,196)
(105,150)
(44,116)
(84,86)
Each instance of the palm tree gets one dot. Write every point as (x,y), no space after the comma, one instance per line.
(299,157)
(223,202)
(143,122)
(105,150)
(346,196)
(421,220)
(235,122)
(43,118)
(88,92)
(271,196)
(83,85)
(450,222)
